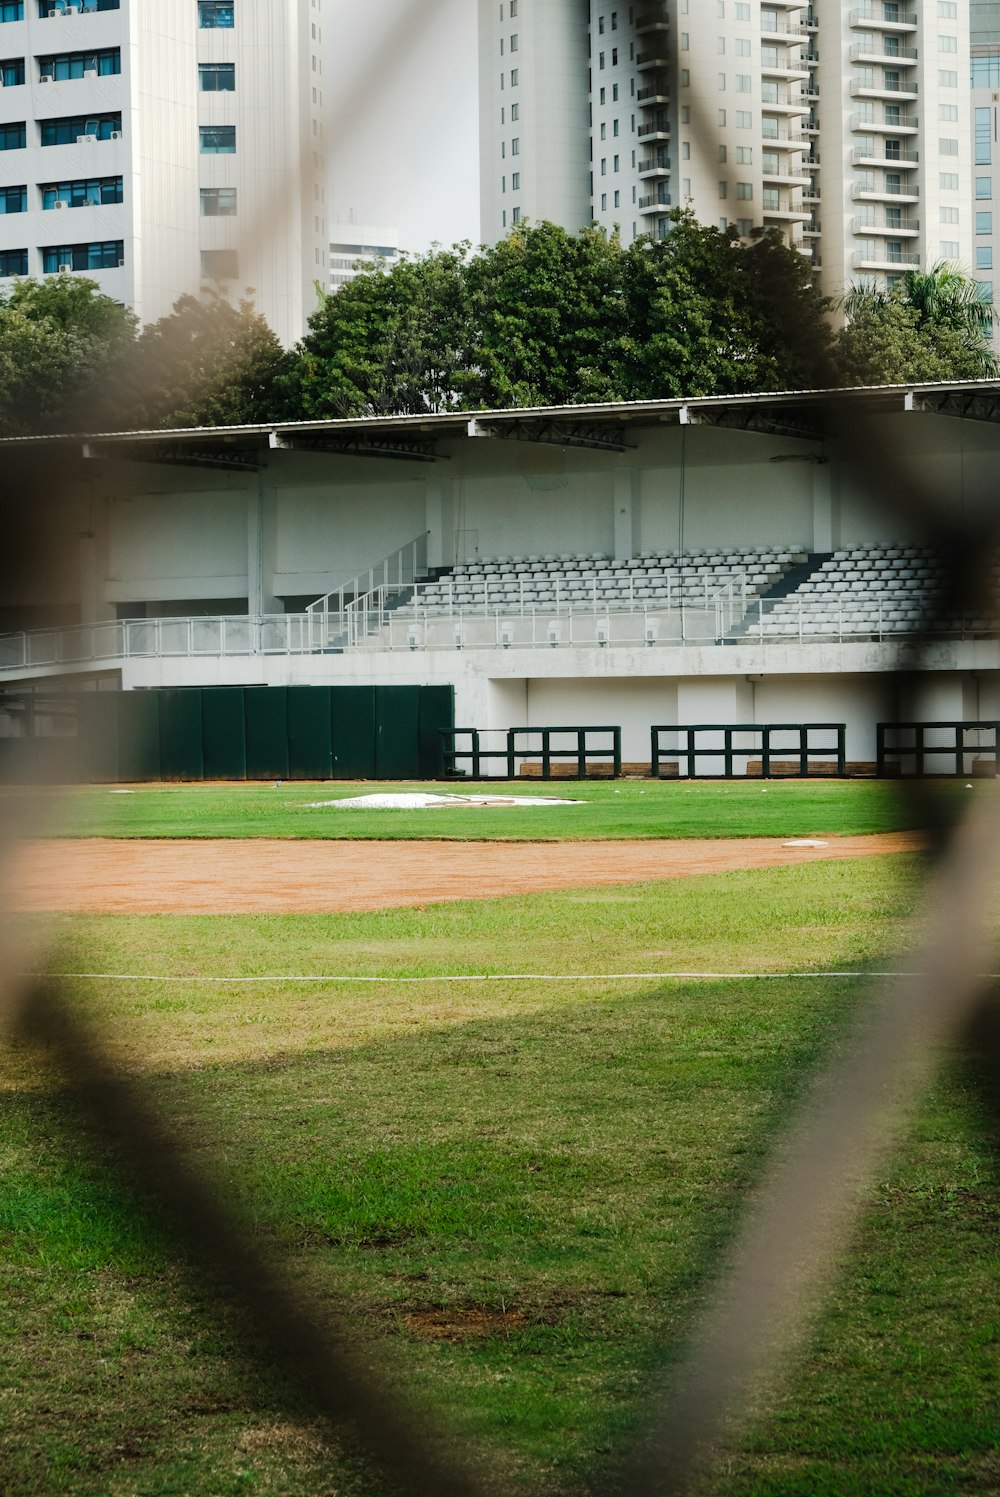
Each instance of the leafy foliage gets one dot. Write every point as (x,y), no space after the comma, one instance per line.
(932,326)
(207,364)
(57,339)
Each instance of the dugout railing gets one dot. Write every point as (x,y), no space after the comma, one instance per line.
(470,753)
(915,750)
(706,751)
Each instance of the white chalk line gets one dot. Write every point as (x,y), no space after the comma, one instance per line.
(326,978)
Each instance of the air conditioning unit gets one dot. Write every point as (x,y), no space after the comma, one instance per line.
(90,72)
(115,135)
(65,269)
(58,205)
(121,264)
(45,78)
(86,140)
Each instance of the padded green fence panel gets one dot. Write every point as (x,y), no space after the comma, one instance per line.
(181,754)
(352,721)
(397,732)
(266,712)
(97,735)
(223,733)
(138,735)
(437,711)
(310,733)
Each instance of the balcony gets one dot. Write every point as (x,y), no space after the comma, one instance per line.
(786,215)
(655,168)
(779,179)
(656,18)
(881,91)
(906,227)
(786,72)
(785,108)
(860,260)
(655,92)
(901,194)
(906,124)
(905,161)
(869,21)
(905,58)
(657,58)
(654,130)
(655,204)
(790,34)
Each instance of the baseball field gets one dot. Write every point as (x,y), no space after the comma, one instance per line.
(495,1083)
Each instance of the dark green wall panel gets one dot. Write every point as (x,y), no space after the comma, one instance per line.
(138,735)
(352,720)
(437,711)
(181,754)
(397,732)
(97,735)
(266,712)
(310,733)
(223,733)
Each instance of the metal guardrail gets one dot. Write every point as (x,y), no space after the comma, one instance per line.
(719,750)
(923,749)
(543,744)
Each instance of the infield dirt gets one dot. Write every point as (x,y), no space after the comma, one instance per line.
(200,876)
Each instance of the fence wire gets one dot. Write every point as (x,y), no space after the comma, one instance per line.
(801,1216)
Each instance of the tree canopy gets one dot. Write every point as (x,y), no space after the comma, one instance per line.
(542,318)
(933,325)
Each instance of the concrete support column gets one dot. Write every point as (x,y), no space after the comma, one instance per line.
(93,566)
(627,514)
(826,526)
(440,522)
(262,548)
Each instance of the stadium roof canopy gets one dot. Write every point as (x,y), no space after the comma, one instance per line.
(809,414)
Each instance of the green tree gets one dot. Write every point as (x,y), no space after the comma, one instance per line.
(548,317)
(933,325)
(205,364)
(386,342)
(58,340)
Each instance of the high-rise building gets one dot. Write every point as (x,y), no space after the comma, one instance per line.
(164,149)
(358,246)
(848,128)
(985,62)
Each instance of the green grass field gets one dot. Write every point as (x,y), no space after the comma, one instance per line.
(518,1190)
(628,808)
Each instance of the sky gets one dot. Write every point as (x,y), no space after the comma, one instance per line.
(401,93)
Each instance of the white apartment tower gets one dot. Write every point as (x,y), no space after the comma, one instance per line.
(846,127)
(166,148)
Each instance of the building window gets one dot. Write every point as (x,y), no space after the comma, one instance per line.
(218,202)
(949,181)
(984,223)
(949,215)
(515,182)
(983,137)
(14,199)
(217,77)
(216,13)
(65,65)
(513,42)
(985,289)
(59,7)
(514,75)
(950,147)
(986,72)
(984,257)
(85,193)
(217,140)
(984,187)
(604,202)
(220,264)
(13,262)
(744,190)
(949,249)
(516,216)
(515,146)
(13,137)
(12,10)
(68,130)
(12,72)
(515,112)
(107,254)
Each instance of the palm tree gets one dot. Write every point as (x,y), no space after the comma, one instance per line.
(942,297)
